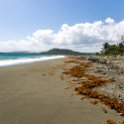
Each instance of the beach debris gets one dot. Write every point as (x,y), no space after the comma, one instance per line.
(71,59)
(87,87)
(113,122)
(109,121)
(62,77)
(78,70)
(105,110)
(94,102)
(51,73)
(68,87)
(121,114)
(84,97)
(109,64)
(43,74)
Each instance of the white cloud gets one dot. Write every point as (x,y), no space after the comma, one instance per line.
(109,21)
(84,37)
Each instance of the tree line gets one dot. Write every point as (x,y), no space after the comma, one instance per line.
(113,49)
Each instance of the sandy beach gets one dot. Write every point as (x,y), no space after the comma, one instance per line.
(36,94)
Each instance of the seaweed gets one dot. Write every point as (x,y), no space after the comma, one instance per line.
(87,87)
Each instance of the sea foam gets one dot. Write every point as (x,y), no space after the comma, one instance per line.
(18,61)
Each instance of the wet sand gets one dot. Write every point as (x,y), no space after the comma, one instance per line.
(35,94)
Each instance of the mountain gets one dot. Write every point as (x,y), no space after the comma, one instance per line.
(54,51)
(57,51)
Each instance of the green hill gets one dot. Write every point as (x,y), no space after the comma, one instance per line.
(57,51)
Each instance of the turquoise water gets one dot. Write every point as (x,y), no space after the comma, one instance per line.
(6,56)
(8,59)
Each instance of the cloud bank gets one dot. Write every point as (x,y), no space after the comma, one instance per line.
(83,37)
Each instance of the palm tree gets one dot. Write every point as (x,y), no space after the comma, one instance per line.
(106,46)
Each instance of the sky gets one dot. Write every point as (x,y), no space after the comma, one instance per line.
(39,25)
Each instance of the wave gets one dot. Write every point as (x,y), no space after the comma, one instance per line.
(18,61)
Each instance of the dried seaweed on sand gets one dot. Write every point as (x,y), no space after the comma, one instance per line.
(87,87)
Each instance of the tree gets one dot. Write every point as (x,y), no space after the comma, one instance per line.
(121,45)
(106,45)
(105,48)
(121,48)
(114,49)
(122,39)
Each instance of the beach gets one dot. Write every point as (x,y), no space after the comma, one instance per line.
(36,94)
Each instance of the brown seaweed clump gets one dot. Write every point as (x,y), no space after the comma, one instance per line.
(79,70)
(72,59)
(87,87)
(110,122)
(76,72)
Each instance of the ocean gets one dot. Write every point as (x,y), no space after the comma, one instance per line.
(9,59)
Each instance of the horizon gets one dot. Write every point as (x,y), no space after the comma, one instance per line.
(29,52)
(40,25)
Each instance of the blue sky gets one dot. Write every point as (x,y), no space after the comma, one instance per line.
(20,18)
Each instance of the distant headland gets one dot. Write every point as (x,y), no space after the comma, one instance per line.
(54,51)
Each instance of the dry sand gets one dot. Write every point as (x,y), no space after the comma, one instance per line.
(35,94)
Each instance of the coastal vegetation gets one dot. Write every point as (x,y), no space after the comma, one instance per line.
(113,49)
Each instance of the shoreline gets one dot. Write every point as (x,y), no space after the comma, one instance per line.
(21,61)
(36,93)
